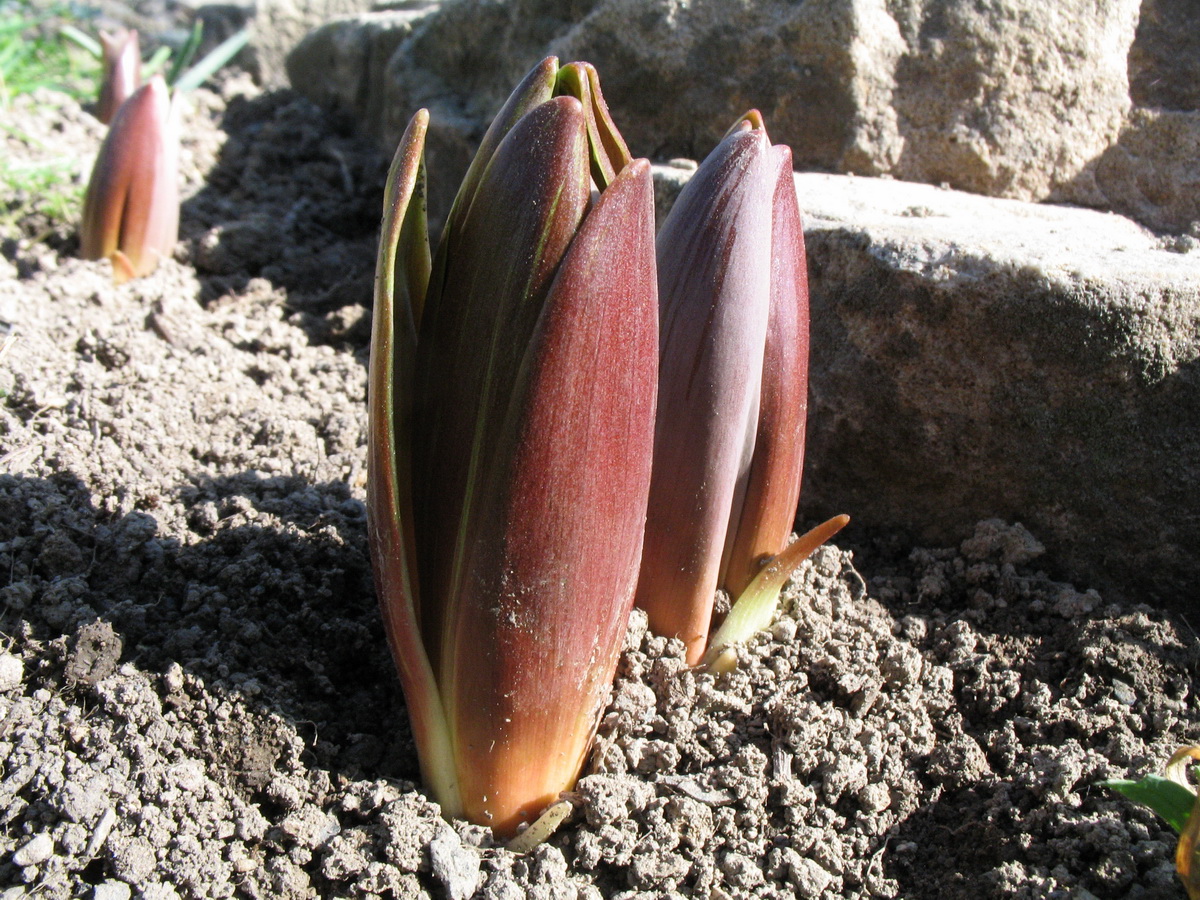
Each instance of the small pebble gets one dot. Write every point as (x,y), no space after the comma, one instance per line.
(111,890)
(455,866)
(1123,692)
(12,672)
(35,851)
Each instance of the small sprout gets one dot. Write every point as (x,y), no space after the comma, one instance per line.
(131,210)
(755,608)
(123,71)
(1174,798)
(540,830)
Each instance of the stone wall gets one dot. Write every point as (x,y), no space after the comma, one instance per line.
(1075,101)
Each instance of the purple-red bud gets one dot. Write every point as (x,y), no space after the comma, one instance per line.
(131,209)
(728,444)
(511,419)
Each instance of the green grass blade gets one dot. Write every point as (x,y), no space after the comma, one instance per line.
(156,62)
(85,41)
(39,49)
(184,57)
(220,55)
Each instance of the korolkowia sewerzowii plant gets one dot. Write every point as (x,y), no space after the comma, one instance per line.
(122,72)
(1174,797)
(131,209)
(733,389)
(511,416)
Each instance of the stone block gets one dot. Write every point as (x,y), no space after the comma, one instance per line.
(1016,98)
(1164,62)
(1152,172)
(279,25)
(976,357)
(341,63)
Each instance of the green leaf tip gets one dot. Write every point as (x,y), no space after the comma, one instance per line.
(607,151)
(755,608)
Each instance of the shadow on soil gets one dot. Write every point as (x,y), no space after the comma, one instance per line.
(272,601)
(295,203)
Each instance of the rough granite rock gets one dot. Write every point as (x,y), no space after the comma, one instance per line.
(971,354)
(1164,61)
(1152,173)
(974,356)
(1008,99)
(279,25)
(1018,99)
(344,61)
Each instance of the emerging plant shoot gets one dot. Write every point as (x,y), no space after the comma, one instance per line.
(511,418)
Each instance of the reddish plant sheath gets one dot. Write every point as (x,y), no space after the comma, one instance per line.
(760,528)
(555,555)
(714,290)
(729,439)
(511,417)
(131,209)
(475,332)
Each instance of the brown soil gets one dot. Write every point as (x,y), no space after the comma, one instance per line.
(196,699)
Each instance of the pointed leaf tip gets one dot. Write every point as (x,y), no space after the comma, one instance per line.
(755,609)
(404,238)
(607,150)
(751,121)
(535,89)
